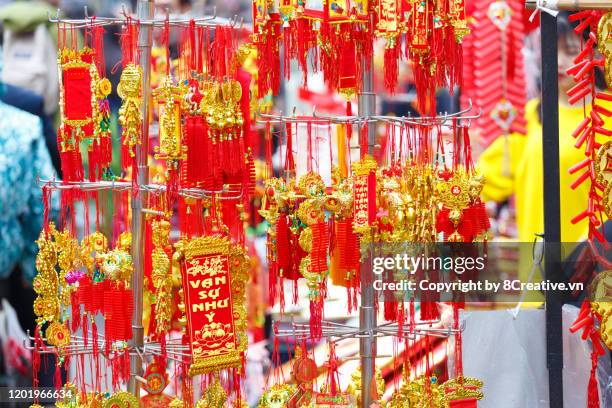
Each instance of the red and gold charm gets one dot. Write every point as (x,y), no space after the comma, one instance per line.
(214,276)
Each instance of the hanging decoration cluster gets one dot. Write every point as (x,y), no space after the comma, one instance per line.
(316,231)
(336,37)
(84,110)
(202,180)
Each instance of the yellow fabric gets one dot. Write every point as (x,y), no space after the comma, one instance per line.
(521,174)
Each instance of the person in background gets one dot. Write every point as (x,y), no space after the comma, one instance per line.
(33,103)
(30,51)
(514,166)
(23,157)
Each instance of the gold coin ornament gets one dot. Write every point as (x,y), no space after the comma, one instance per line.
(604,43)
(603,164)
(58,335)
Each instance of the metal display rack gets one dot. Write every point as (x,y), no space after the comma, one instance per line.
(139,346)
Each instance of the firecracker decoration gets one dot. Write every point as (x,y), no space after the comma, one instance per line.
(84,111)
(196,140)
(593,169)
(214,275)
(494,73)
(595,311)
(99,150)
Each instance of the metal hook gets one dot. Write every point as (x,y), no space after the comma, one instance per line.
(124,12)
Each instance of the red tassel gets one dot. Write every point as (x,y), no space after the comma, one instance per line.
(75,309)
(593,389)
(391,65)
(390,310)
(96,354)
(57,380)
(38,346)
(85,328)
(429,310)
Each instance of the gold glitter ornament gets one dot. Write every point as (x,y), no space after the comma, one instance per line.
(130,91)
(214,396)
(121,399)
(277,396)
(57,335)
(177,403)
(604,43)
(161,274)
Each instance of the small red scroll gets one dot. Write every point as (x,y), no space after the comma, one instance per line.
(214,275)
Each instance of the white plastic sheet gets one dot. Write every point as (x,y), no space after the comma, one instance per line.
(509,356)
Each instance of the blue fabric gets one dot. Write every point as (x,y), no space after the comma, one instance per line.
(29,101)
(23,156)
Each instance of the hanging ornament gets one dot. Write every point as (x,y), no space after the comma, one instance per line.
(214,276)
(314,239)
(161,276)
(169,96)
(121,399)
(130,117)
(277,396)
(377,386)
(156,381)
(462,392)
(364,194)
(214,396)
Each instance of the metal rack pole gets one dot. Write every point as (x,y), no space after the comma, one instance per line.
(367,310)
(552,198)
(145,11)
